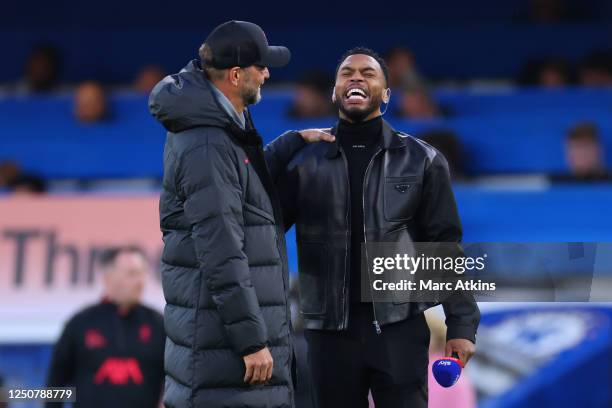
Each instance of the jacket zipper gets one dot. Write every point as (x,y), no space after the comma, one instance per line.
(365,241)
(119,327)
(346,245)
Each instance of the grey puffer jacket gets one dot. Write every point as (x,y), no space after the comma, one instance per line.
(224,264)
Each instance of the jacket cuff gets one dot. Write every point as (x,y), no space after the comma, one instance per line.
(253,349)
(461,332)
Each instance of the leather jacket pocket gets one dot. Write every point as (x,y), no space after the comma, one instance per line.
(313,277)
(401,197)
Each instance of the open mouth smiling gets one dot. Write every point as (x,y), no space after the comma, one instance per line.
(356,95)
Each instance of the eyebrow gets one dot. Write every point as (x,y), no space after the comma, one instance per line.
(347,68)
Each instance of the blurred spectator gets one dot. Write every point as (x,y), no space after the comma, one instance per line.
(554,73)
(90,104)
(12,179)
(549,73)
(29,184)
(401,67)
(447,143)
(147,78)
(557,11)
(460,395)
(113,351)
(415,102)
(584,155)
(547,11)
(42,70)
(9,172)
(312,96)
(597,69)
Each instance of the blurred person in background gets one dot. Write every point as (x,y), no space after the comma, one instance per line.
(90,104)
(547,11)
(13,180)
(447,143)
(551,72)
(28,184)
(401,65)
(147,78)
(311,98)
(42,71)
(554,73)
(596,70)
(9,172)
(460,395)
(584,155)
(416,102)
(113,351)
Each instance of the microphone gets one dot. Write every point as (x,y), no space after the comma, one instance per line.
(447,370)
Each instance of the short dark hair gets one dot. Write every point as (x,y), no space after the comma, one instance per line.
(109,256)
(369,52)
(585,131)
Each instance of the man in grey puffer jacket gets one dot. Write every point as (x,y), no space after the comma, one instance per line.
(224,264)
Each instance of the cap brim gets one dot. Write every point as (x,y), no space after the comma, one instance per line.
(276,57)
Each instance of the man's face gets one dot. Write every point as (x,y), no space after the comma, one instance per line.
(399,64)
(250,88)
(126,277)
(417,104)
(89,103)
(359,88)
(310,102)
(584,156)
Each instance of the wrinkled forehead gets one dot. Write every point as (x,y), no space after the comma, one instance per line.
(360,62)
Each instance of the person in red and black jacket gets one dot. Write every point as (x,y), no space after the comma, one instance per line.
(113,351)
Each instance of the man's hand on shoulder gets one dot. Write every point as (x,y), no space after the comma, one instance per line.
(317,135)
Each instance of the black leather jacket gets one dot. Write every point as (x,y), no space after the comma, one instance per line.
(314,189)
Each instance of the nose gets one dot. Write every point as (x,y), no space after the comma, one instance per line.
(356,77)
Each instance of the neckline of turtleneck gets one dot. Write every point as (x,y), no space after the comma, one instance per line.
(368,130)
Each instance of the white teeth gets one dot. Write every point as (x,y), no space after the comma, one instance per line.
(356,93)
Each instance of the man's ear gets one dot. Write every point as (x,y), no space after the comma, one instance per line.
(234,75)
(386,96)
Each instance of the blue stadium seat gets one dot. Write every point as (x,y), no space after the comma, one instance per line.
(512,132)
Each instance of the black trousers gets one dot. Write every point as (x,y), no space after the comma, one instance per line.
(346,365)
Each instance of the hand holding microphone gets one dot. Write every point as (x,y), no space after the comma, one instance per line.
(447,370)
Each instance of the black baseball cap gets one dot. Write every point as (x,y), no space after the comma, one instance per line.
(242,44)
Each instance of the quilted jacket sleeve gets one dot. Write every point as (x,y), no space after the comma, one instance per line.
(207,178)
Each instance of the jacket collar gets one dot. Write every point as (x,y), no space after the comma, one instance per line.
(391,139)
(247,136)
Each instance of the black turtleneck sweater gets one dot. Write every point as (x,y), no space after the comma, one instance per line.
(359,141)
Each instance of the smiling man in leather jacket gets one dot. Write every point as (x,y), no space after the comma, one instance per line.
(343,194)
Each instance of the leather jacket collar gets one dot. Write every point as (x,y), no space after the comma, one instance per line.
(391,138)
